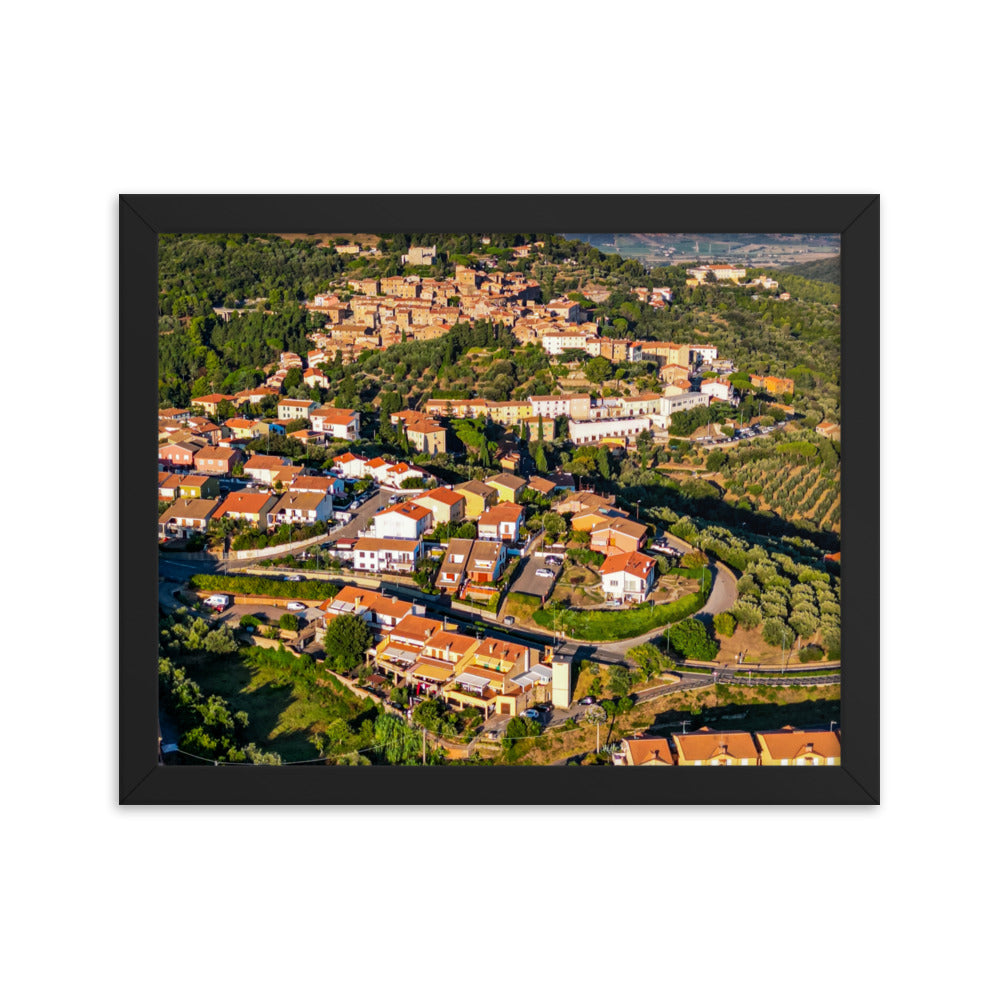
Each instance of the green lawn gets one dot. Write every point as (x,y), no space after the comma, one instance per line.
(626,623)
(284,710)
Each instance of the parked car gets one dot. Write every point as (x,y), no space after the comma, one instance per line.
(295,606)
(589,700)
(545,706)
(530,713)
(355,505)
(294,578)
(544,572)
(217,601)
(509,620)
(552,561)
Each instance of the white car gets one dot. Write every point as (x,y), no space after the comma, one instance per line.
(544,572)
(295,606)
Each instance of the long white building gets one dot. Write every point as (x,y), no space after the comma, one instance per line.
(594,431)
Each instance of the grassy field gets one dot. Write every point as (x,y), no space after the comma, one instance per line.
(284,711)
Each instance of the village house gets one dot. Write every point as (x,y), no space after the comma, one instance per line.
(341,423)
(576,406)
(453,564)
(627,577)
(251,506)
(217,461)
(264,468)
(296,409)
(172,486)
(641,751)
(313,377)
(186,517)
(427,437)
(300,508)
(317,484)
(544,487)
(241,428)
(706,747)
(210,404)
(446,505)
(384,613)
(478,497)
(387,555)
(178,455)
(796,747)
(509,488)
(403,520)
(350,465)
(254,396)
(617,535)
(502,523)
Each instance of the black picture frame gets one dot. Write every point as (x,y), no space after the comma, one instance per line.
(142,780)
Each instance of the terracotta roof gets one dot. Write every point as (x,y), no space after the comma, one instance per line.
(646,748)
(502,512)
(707,744)
(442,494)
(264,462)
(244,502)
(540,485)
(407,509)
(633,563)
(296,402)
(622,525)
(789,743)
(416,627)
(189,507)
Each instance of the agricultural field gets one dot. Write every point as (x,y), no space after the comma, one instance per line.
(797,477)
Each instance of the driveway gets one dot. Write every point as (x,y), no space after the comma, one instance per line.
(527,581)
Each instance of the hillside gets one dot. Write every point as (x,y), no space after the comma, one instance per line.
(827,269)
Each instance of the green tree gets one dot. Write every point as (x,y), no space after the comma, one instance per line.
(619,682)
(347,639)
(289,622)
(691,640)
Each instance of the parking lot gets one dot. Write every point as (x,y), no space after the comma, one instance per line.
(527,580)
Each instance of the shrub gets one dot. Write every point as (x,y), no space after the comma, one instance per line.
(808,654)
(288,622)
(249,621)
(725,623)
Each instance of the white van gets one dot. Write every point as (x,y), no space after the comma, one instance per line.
(217,601)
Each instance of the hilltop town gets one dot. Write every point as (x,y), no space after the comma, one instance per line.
(483,497)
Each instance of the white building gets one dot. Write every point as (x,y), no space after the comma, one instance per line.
(717,388)
(296,409)
(301,508)
(404,520)
(341,423)
(574,405)
(628,576)
(703,353)
(387,555)
(594,431)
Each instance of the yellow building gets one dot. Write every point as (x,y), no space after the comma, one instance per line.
(789,746)
(478,497)
(706,747)
(509,488)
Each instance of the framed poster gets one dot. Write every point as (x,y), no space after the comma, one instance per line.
(484,499)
